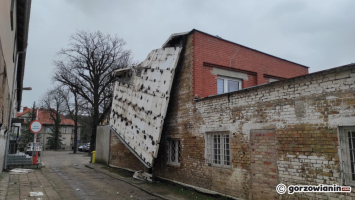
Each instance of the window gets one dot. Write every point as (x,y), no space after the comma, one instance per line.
(225,84)
(63,140)
(272,80)
(218,149)
(174,152)
(347,145)
(64,129)
(48,129)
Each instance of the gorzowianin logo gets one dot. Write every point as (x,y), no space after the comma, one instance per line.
(281,188)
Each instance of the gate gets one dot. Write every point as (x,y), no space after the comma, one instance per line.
(21,155)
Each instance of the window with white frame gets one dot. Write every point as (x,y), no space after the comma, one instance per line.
(217,149)
(226,84)
(64,129)
(64,140)
(347,145)
(174,152)
(48,129)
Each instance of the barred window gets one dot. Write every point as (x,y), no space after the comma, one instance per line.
(217,149)
(174,152)
(347,145)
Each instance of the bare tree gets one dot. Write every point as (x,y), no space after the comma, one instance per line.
(54,103)
(87,66)
(73,104)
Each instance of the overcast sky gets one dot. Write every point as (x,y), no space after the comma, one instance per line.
(318,34)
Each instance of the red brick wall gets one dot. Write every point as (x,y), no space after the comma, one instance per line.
(263,158)
(216,51)
(121,156)
(182,122)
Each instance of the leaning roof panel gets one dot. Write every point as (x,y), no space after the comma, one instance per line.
(140,103)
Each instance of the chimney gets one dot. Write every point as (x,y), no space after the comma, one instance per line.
(25,108)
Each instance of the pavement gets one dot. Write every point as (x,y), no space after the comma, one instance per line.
(71,176)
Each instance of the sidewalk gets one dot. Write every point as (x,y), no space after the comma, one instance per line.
(95,181)
(159,189)
(19,186)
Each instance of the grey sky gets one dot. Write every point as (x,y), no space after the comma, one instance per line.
(318,34)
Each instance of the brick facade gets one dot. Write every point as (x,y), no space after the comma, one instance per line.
(283,132)
(213,50)
(121,156)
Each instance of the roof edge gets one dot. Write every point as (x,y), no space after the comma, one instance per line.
(340,68)
(246,47)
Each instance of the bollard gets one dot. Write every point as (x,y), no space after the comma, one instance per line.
(93,156)
(34,157)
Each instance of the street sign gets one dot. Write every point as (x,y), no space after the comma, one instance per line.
(35,126)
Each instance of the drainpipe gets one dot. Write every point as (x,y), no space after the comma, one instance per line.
(11,107)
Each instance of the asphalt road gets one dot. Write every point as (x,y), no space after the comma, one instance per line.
(72,180)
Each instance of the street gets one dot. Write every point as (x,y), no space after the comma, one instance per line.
(66,177)
(71,176)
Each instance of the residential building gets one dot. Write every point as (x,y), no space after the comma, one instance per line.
(14,27)
(66,127)
(169,118)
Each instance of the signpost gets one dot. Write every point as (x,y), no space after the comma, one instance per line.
(35,128)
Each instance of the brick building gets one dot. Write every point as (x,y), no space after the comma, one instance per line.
(243,142)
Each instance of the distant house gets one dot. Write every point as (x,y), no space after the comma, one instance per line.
(66,127)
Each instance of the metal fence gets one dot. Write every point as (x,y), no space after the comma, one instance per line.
(22,155)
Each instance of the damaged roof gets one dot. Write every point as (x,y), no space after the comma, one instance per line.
(141,97)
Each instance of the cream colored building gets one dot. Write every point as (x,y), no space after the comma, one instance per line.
(14,23)
(66,127)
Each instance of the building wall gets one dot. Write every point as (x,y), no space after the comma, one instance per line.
(121,156)
(282,132)
(212,50)
(7,37)
(304,113)
(102,149)
(7,62)
(182,122)
(298,120)
(68,134)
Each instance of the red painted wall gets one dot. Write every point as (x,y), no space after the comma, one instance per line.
(213,50)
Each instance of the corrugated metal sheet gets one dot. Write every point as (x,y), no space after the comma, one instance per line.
(141,97)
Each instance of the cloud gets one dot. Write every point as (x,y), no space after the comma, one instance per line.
(318,34)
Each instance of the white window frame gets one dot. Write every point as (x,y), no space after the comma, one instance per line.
(224,147)
(64,140)
(64,129)
(345,154)
(177,146)
(48,129)
(225,83)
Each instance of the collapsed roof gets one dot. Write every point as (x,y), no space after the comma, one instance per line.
(141,97)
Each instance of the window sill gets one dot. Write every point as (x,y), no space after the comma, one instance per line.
(174,164)
(220,166)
